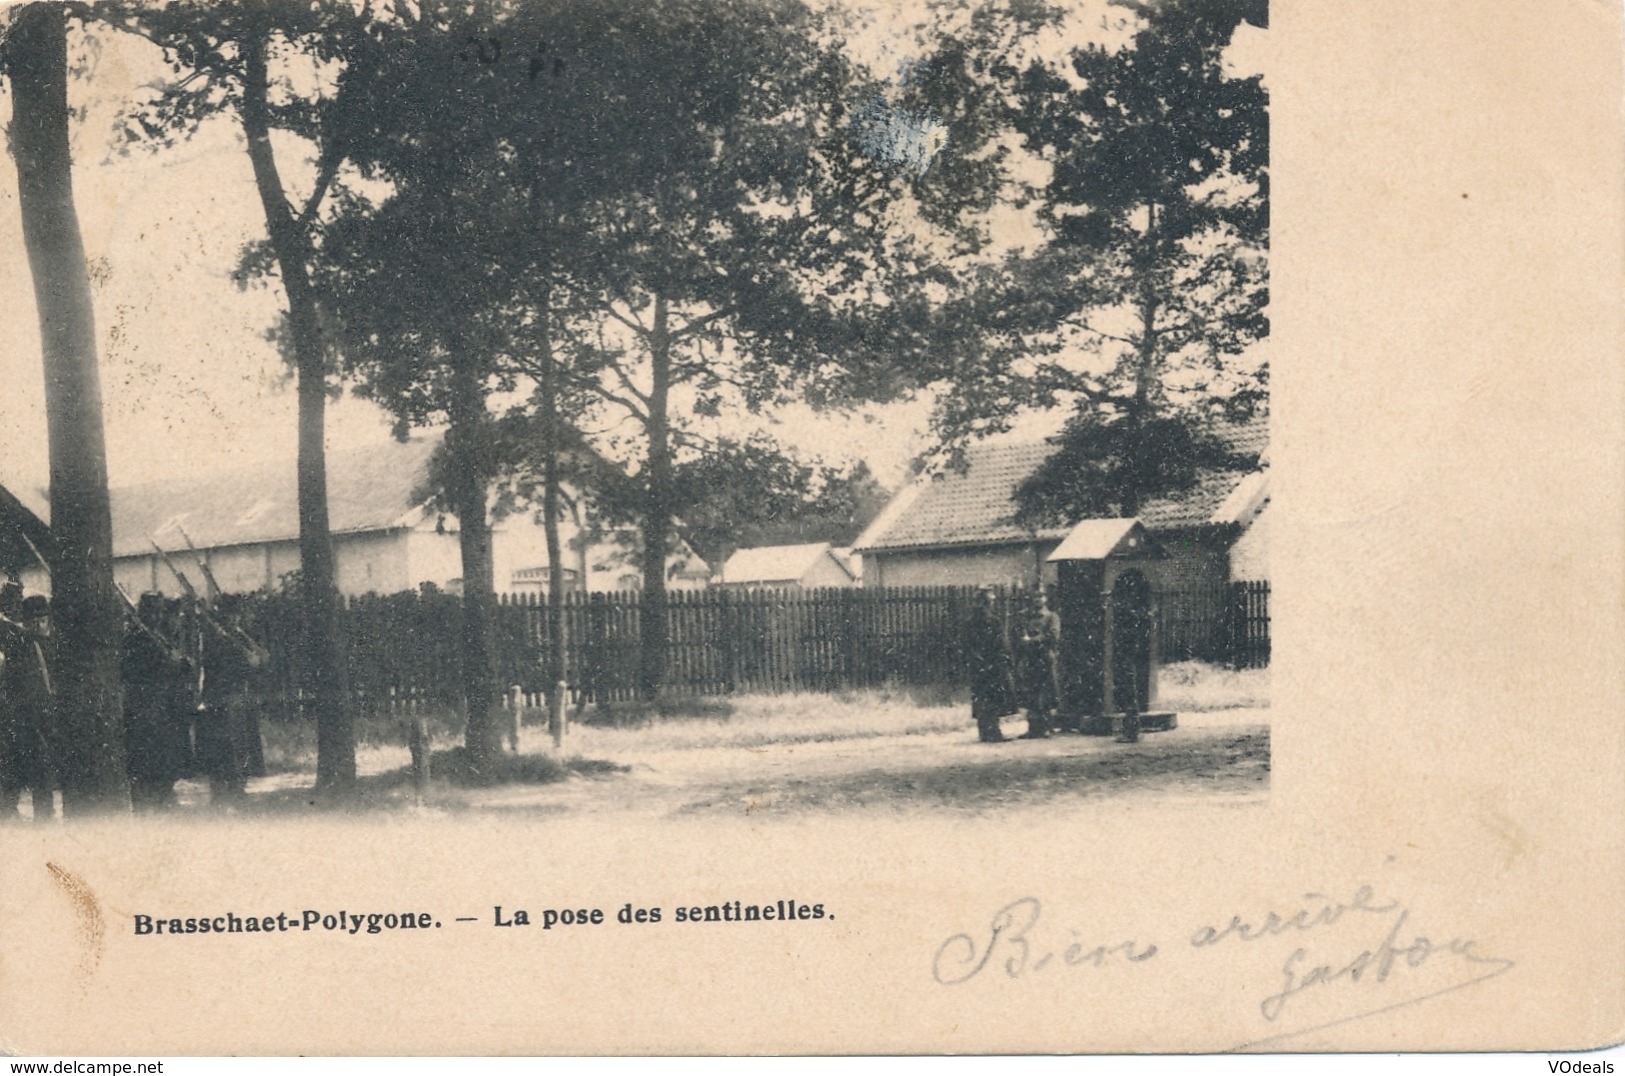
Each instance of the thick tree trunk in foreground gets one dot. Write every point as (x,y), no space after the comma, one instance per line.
(469,490)
(657,510)
(322,658)
(88,709)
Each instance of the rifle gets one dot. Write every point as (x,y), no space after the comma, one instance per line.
(199,608)
(251,650)
(34,549)
(180,576)
(169,648)
(203,565)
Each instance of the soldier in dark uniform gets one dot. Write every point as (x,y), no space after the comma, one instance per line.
(1133,625)
(228,735)
(25,740)
(157,707)
(992,687)
(11,634)
(1041,668)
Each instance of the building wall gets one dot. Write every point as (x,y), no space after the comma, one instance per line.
(1191,564)
(253,567)
(136,575)
(374,563)
(435,558)
(826,573)
(238,569)
(984,566)
(519,542)
(1250,556)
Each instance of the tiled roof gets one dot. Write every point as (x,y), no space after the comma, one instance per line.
(368,489)
(774,563)
(978,506)
(973,508)
(1192,507)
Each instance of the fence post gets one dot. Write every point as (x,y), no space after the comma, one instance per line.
(849,637)
(727,628)
(516,708)
(557,720)
(1235,626)
(592,653)
(418,737)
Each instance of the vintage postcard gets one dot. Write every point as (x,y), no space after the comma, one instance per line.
(811,526)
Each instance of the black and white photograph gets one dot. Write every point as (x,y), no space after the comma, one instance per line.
(588,420)
(754,484)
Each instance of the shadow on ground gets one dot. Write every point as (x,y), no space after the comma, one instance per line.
(1223,760)
(451,785)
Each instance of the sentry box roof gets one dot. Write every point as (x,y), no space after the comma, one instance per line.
(1098,539)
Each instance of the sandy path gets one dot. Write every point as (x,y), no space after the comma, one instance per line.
(1221,755)
(1226,753)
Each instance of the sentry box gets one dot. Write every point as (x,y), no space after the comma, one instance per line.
(1108,628)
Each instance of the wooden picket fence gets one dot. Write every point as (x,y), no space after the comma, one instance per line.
(721,642)
(403,649)
(1248,639)
(1227,623)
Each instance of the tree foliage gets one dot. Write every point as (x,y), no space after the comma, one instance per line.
(746,492)
(289,70)
(647,211)
(1141,306)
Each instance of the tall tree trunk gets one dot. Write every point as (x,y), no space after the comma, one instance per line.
(323,660)
(469,491)
(550,511)
(657,509)
(1146,366)
(88,717)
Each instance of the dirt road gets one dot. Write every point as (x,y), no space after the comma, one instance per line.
(1223,755)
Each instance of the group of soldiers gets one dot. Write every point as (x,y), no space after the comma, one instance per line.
(187,669)
(1020,668)
(26,756)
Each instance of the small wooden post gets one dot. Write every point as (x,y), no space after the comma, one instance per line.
(556,717)
(418,738)
(516,709)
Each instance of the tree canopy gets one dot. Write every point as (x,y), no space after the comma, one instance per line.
(1141,306)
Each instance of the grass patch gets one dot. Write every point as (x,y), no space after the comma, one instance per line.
(290,743)
(751,721)
(451,765)
(738,721)
(638,714)
(1197,686)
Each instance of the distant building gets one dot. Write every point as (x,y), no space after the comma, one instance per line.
(387,537)
(810,565)
(960,529)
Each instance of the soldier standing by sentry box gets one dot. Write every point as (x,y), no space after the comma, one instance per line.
(992,680)
(1040,667)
